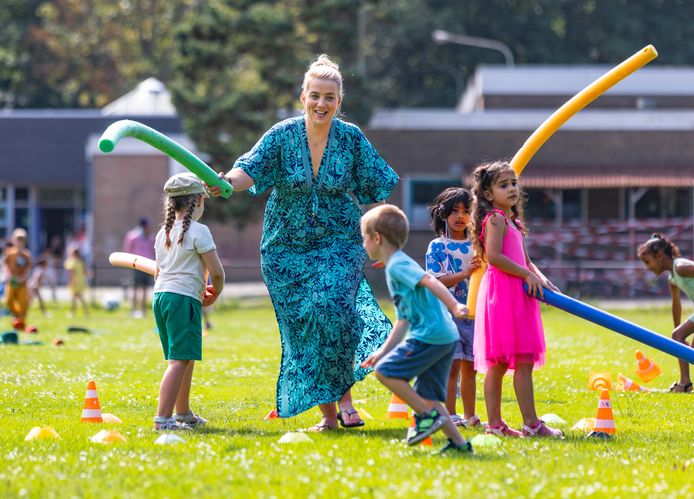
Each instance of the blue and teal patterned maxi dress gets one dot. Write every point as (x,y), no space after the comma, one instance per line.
(312,257)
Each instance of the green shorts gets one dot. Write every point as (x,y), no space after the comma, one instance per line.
(179,320)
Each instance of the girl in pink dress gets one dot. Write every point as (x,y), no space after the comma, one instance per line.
(508,326)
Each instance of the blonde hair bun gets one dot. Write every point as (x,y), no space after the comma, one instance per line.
(323,68)
(324,60)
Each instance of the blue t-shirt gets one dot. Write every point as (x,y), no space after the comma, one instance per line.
(430,321)
(448,256)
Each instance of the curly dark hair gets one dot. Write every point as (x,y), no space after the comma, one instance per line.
(443,207)
(483,178)
(657,243)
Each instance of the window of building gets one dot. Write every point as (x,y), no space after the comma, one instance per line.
(649,205)
(665,203)
(4,222)
(21,194)
(573,204)
(420,194)
(539,205)
(676,202)
(603,203)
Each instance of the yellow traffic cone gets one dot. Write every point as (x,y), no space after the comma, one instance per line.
(646,369)
(604,421)
(427,441)
(92,409)
(599,381)
(397,409)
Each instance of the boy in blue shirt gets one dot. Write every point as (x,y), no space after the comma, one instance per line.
(427,353)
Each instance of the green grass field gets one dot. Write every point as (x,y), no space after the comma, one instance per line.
(238,454)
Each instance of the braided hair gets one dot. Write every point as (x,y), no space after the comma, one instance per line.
(178,204)
(659,243)
(483,178)
(443,207)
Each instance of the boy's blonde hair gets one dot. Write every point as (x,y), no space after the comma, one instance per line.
(389,221)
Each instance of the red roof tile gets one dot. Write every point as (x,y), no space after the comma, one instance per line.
(595,177)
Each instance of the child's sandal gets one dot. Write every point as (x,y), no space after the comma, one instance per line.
(472,422)
(165,424)
(191,419)
(457,420)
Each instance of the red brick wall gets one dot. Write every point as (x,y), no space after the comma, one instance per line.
(127,188)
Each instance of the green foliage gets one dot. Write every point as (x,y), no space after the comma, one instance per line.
(235,69)
(86,54)
(17,19)
(238,454)
(235,66)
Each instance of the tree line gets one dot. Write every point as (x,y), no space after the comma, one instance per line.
(234,67)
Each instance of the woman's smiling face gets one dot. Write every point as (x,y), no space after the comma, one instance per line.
(321,100)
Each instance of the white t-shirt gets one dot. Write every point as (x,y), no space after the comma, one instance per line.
(181,269)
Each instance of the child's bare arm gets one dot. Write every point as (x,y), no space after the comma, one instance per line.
(214,267)
(494,240)
(676,305)
(430,282)
(397,334)
(533,268)
(450,280)
(684,269)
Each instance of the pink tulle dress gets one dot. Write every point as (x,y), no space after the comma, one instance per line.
(508,325)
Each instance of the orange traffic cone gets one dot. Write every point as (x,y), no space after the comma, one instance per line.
(599,381)
(397,409)
(627,385)
(92,410)
(272,414)
(411,430)
(604,421)
(646,369)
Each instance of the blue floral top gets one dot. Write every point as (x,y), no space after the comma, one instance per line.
(448,256)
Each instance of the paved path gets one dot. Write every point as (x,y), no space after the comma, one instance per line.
(232,290)
(239,290)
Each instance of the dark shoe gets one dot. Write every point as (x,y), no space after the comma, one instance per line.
(680,388)
(453,449)
(425,425)
(349,413)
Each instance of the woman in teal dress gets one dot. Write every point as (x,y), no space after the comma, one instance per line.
(320,169)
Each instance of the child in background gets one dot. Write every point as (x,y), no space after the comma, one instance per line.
(427,353)
(508,325)
(17,270)
(184,251)
(659,254)
(450,259)
(77,280)
(36,282)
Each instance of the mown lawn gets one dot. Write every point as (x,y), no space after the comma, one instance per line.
(238,454)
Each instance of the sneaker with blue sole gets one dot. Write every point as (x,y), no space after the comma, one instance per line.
(425,425)
(451,448)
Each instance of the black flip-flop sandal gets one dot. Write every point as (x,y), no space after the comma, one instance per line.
(353,425)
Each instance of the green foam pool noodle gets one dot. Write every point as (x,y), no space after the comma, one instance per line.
(129,128)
